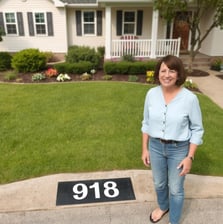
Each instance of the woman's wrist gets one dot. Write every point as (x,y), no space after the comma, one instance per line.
(190,157)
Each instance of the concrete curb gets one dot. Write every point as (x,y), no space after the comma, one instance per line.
(40,193)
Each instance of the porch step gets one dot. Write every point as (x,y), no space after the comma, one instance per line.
(201,61)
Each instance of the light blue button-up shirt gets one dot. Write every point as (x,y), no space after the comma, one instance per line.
(179,120)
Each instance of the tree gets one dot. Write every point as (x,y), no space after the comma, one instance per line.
(168,10)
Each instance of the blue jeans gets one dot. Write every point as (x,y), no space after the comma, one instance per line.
(169,186)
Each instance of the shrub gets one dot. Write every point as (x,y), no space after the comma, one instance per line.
(101,51)
(82,53)
(5,61)
(189,84)
(128,57)
(29,60)
(50,72)
(216,64)
(125,67)
(150,76)
(107,77)
(38,77)
(74,68)
(133,78)
(11,75)
(85,76)
(49,56)
(63,77)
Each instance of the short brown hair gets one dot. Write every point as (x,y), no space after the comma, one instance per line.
(174,63)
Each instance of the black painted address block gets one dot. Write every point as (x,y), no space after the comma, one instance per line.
(94,191)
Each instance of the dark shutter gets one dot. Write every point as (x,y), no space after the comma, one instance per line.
(139,22)
(49,17)
(119,23)
(2,23)
(31,24)
(20,24)
(99,23)
(78,23)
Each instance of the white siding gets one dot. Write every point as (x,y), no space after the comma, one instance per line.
(212,46)
(56,43)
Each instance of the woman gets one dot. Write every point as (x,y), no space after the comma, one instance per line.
(171,131)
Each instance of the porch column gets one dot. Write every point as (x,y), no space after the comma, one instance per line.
(107,32)
(155,20)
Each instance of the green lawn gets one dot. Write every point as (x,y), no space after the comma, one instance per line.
(83,127)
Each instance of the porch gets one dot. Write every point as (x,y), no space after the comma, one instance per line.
(144,48)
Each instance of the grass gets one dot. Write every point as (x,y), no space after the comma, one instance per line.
(84,127)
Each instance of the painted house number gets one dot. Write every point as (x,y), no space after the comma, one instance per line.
(94,191)
(80,190)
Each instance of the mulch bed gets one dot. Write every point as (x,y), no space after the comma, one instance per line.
(27,78)
(220,76)
(198,73)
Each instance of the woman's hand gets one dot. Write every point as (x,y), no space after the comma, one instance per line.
(145,157)
(186,165)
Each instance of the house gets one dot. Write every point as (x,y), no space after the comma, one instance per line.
(121,26)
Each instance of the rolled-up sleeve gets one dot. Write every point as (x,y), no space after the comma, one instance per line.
(145,121)
(196,126)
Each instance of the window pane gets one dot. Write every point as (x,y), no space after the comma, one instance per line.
(11,29)
(39,18)
(40,29)
(10,17)
(129,29)
(89,29)
(88,17)
(129,17)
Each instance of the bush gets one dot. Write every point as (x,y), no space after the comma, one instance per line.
(38,77)
(85,76)
(133,78)
(29,60)
(216,64)
(49,56)
(10,75)
(125,67)
(107,77)
(83,53)
(74,68)
(5,61)
(128,57)
(101,51)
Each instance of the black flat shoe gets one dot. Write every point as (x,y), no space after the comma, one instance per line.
(151,220)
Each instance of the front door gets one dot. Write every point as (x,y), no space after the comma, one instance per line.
(181,29)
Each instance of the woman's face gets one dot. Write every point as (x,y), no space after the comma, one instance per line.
(167,77)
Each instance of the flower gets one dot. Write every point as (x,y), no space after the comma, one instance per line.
(85,76)
(150,76)
(63,77)
(189,84)
(93,71)
(51,72)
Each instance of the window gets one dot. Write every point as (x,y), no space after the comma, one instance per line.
(10,23)
(40,23)
(129,22)
(89,22)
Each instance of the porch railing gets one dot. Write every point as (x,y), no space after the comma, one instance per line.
(143,47)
